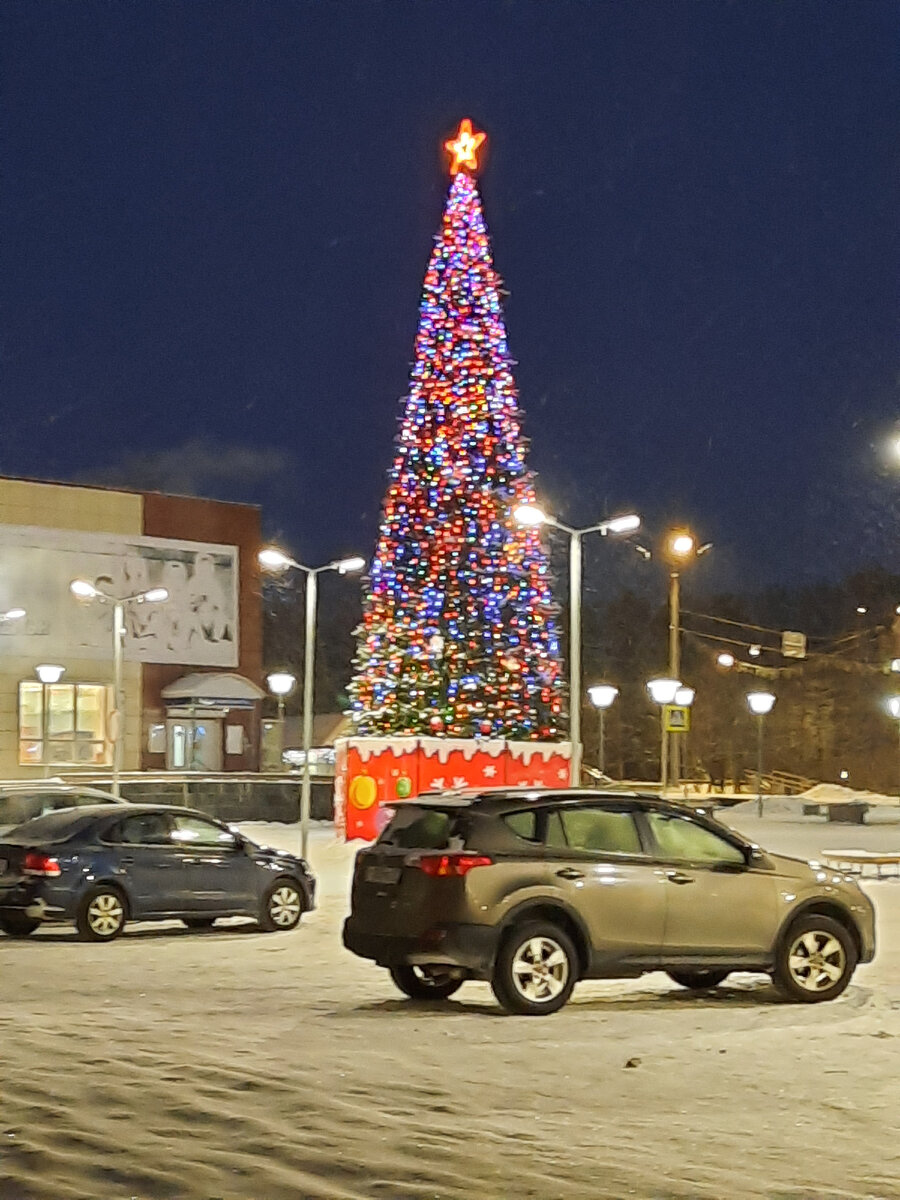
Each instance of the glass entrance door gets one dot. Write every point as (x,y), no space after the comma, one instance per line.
(194,744)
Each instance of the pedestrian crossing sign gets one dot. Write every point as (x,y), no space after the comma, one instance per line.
(677,718)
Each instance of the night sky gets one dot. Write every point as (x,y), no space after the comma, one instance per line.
(216,218)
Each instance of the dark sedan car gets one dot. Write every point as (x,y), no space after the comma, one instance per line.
(100,867)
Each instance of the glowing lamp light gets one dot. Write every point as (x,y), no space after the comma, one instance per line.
(662,691)
(83,589)
(602,695)
(12,614)
(895,665)
(463,149)
(725,660)
(755,651)
(280,683)
(760,703)
(893,706)
(682,544)
(155,595)
(530,515)
(684,697)
(49,672)
(274,559)
(861,609)
(345,565)
(625,524)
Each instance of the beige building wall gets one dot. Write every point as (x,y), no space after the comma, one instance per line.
(94,510)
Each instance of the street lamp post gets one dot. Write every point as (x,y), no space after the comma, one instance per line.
(680,547)
(87,591)
(662,692)
(602,697)
(760,704)
(281,684)
(273,559)
(530,515)
(894,709)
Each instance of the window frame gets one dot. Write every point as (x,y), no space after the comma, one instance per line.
(624,806)
(659,854)
(180,844)
(118,821)
(72,741)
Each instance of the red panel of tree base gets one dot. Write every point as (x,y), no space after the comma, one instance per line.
(373,774)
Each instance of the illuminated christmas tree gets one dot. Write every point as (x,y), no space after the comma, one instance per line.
(459,634)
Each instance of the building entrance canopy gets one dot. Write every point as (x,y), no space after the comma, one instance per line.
(224,689)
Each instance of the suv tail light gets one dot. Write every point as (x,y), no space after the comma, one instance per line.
(36,863)
(452,865)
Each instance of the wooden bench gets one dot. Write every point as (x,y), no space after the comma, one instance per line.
(855,862)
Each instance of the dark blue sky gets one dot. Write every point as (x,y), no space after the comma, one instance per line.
(216,218)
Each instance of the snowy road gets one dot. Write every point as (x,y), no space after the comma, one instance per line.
(240,1066)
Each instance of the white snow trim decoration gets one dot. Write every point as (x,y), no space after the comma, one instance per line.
(372,747)
(524,752)
(442,748)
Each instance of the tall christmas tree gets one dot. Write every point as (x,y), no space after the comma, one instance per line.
(459,634)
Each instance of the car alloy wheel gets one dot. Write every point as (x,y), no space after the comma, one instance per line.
(282,907)
(535,970)
(816,960)
(102,915)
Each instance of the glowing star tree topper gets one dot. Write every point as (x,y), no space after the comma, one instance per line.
(459,632)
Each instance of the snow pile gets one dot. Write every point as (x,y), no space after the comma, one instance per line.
(836,793)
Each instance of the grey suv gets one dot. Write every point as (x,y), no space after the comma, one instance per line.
(535,890)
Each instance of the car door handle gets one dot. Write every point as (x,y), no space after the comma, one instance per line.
(677,877)
(570,873)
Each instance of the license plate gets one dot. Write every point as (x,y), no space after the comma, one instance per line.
(382,874)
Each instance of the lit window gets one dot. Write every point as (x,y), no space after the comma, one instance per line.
(63,724)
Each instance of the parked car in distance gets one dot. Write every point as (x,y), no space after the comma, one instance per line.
(103,865)
(20,801)
(534,890)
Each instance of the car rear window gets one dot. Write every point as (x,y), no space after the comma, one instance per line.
(53,827)
(415,828)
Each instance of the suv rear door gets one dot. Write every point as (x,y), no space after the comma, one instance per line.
(599,865)
(391,896)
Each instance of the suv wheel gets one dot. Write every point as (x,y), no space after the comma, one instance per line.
(698,981)
(18,925)
(101,915)
(282,906)
(815,960)
(536,969)
(426,983)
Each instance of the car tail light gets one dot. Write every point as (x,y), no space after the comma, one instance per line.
(452,865)
(40,864)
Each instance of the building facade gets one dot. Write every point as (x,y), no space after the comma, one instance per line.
(192,669)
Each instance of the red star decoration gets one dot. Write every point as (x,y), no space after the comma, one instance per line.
(464,148)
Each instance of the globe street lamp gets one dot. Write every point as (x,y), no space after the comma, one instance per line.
(273,559)
(760,704)
(47,673)
(602,696)
(12,614)
(662,692)
(281,684)
(87,591)
(530,515)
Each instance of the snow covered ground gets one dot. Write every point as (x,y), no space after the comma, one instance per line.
(241,1066)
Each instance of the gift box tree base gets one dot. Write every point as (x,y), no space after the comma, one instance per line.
(373,774)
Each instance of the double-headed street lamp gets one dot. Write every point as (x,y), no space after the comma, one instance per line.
(530,515)
(87,591)
(662,692)
(760,704)
(273,559)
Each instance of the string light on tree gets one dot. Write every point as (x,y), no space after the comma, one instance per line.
(459,633)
